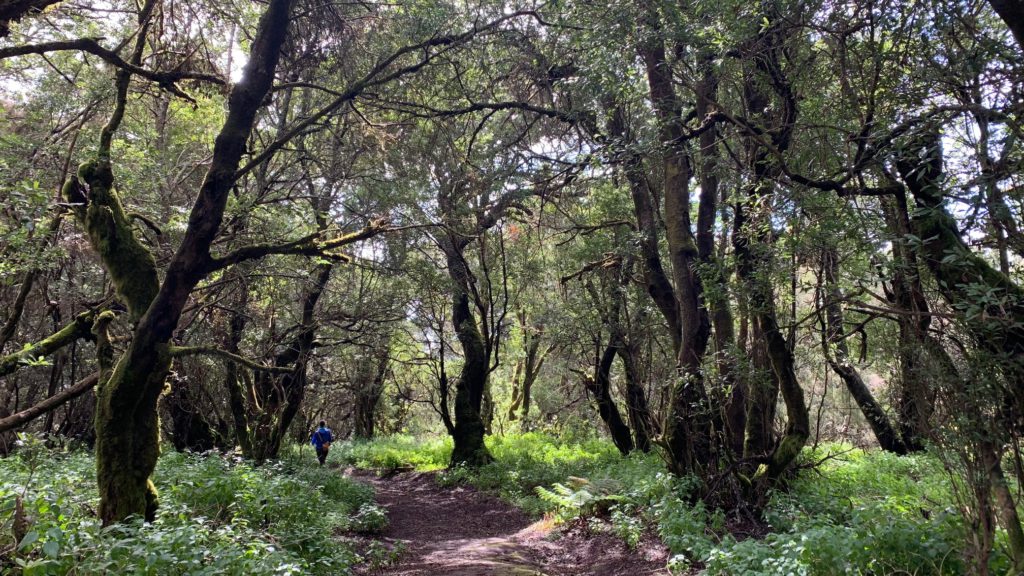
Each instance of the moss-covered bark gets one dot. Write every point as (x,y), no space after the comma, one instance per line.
(99,210)
(468,433)
(989,302)
(127,432)
(80,327)
(126,416)
(688,430)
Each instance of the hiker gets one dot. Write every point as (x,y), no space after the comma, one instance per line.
(322,439)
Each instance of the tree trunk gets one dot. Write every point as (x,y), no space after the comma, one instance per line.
(838,355)
(368,392)
(997,321)
(1012,13)
(599,386)
(637,409)
(907,294)
(688,431)
(752,237)
(127,441)
(730,391)
(279,396)
(14,10)
(468,429)
(189,429)
(233,373)
(655,279)
(1006,507)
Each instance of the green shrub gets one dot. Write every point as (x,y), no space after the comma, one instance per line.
(218,515)
(395,452)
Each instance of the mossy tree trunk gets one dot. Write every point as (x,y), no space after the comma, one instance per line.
(991,307)
(235,377)
(991,304)
(468,430)
(626,340)
(688,429)
(638,410)
(127,442)
(752,237)
(729,392)
(905,292)
(527,369)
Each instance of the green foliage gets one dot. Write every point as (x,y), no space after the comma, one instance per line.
(395,452)
(218,516)
(585,498)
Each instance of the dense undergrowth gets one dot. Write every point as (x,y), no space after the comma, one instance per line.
(218,515)
(856,512)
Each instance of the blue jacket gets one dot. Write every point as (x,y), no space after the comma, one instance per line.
(320,436)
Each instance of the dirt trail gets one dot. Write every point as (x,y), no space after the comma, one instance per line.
(463,532)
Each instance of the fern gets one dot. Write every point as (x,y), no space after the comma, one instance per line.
(586,499)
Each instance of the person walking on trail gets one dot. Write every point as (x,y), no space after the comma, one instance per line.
(322,439)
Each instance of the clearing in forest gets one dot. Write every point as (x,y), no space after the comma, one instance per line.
(461,531)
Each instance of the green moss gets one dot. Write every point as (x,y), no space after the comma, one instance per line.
(130,264)
(127,431)
(79,328)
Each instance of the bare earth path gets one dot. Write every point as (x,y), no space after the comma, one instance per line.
(462,532)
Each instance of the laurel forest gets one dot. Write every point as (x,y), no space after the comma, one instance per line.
(726,287)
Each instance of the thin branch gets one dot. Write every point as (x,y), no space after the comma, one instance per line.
(376,77)
(165,80)
(179,351)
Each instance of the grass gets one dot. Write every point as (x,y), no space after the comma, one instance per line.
(218,515)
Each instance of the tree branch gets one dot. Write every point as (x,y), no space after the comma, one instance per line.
(376,77)
(165,80)
(78,328)
(179,351)
(310,245)
(53,402)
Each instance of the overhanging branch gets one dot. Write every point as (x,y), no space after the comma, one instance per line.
(310,245)
(166,80)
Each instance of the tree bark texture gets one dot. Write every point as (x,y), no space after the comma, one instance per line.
(468,430)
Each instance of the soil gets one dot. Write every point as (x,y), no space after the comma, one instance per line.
(461,531)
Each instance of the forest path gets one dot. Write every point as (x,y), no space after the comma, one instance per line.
(460,531)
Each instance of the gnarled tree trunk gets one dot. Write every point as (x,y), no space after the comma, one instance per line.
(468,430)
(127,444)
